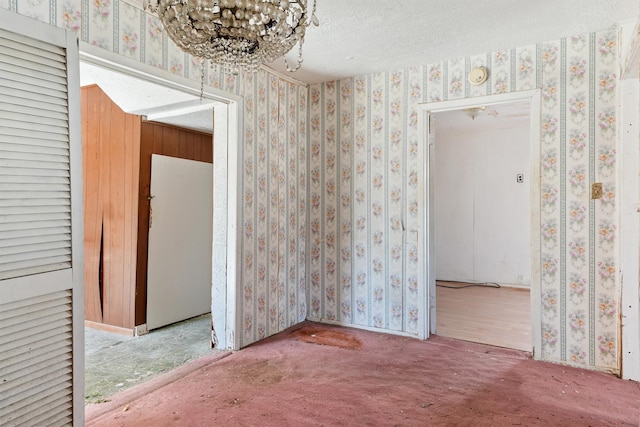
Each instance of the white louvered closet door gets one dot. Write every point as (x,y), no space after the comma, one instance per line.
(41,264)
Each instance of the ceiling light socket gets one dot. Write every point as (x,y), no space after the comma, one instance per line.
(478,75)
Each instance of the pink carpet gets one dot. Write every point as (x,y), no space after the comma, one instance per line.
(319,375)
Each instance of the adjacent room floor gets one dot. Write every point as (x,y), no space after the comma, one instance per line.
(313,375)
(114,362)
(499,316)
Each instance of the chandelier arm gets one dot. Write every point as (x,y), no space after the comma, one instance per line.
(299,61)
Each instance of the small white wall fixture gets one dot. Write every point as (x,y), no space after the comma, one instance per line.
(426,238)
(226,146)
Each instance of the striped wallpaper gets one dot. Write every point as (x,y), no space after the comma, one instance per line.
(365,174)
(332,180)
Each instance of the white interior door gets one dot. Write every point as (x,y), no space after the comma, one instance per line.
(180,242)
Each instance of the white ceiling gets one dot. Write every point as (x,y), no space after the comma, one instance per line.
(365,36)
(155,102)
(496,116)
(358,37)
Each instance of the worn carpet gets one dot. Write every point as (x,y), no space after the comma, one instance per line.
(320,375)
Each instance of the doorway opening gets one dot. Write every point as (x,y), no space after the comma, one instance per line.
(482,221)
(167,104)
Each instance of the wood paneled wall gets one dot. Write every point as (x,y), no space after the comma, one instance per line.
(168,141)
(111,160)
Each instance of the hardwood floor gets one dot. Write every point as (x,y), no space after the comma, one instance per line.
(495,316)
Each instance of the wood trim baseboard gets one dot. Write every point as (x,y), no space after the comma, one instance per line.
(109,328)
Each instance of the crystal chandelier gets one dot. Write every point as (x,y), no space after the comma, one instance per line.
(237,34)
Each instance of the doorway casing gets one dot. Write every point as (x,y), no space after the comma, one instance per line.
(227,125)
(426,238)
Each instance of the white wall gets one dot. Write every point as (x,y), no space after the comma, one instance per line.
(482,214)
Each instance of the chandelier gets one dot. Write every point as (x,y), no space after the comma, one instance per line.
(236,34)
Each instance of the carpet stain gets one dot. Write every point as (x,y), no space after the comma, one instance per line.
(263,372)
(333,338)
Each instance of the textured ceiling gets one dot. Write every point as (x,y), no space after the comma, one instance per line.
(358,37)
(365,36)
(496,116)
(155,102)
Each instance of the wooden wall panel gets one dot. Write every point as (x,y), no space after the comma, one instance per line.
(112,143)
(92,206)
(111,296)
(166,140)
(132,178)
(117,150)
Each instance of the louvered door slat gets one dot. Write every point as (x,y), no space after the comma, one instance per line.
(40,228)
(26,179)
(22,93)
(36,266)
(34,239)
(41,48)
(50,349)
(18,233)
(37,355)
(38,51)
(20,328)
(28,110)
(64,244)
(35,213)
(26,373)
(34,165)
(45,159)
(33,84)
(22,260)
(44,215)
(17,171)
(31,229)
(35,358)
(29,186)
(40,61)
(59,142)
(31,393)
(25,203)
(15,116)
(31,69)
(53,64)
(41,414)
(55,324)
(9,124)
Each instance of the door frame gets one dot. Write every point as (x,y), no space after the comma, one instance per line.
(629,243)
(426,237)
(227,123)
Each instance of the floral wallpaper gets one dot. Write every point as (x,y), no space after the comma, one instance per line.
(119,27)
(272,284)
(579,297)
(332,183)
(275,205)
(365,191)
